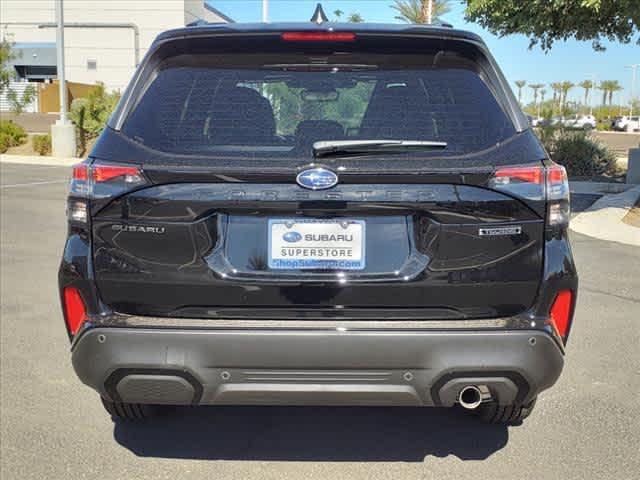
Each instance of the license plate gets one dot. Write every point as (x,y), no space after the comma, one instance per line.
(316,244)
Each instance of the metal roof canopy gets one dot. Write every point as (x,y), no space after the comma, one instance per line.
(34,54)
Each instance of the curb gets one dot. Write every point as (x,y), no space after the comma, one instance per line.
(598,188)
(37,160)
(603,219)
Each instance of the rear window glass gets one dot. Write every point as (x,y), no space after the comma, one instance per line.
(281,107)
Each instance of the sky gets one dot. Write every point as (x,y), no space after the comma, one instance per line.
(571,60)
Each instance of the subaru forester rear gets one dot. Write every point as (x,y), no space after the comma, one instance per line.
(310,214)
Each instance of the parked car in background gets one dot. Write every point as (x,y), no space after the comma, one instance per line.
(615,121)
(536,121)
(584,122)
(628,124)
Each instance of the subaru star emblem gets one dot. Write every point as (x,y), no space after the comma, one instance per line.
(317,179)
(292,237)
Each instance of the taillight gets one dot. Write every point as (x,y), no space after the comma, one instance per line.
(515,175)
(560,313)
(318,36)
(99,180)
(104,173)
(538,183)
(559,209)
(75,312)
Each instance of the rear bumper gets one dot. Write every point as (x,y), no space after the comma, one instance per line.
(226,366)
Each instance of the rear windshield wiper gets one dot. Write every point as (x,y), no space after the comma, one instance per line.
(340,147)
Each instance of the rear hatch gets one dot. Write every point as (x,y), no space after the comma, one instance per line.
(273,182)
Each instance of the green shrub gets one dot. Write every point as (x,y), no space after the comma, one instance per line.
(12,135)
(91,113)
(41,144)
(582,155)
(5,142)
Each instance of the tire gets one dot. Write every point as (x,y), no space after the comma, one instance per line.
(510,414)
(129,411)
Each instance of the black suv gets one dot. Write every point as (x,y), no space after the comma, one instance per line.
(318,214)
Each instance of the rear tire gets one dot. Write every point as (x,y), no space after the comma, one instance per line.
(129,411)
(491,412)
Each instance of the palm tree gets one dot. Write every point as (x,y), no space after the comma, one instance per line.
(520,84)
(614,87)
(557,87)
(417,11)
(604,87)
(587,85)
(535,87)
(355,18)
(542,92)
(608,87)
(564,91)
(338,13)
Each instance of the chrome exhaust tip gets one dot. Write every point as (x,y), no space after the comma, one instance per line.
(472,396)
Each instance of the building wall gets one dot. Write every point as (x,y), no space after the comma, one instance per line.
(112,49)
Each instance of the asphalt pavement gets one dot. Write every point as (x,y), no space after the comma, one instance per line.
(53,427)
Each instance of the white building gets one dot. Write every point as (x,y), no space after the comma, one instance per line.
(104,39)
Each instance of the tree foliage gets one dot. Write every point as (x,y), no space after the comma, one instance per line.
(608,88)
(353,17)
(91,113)
(546,21)
(415,11)
(290,108)
(6,71)
(586,85)
(20,101)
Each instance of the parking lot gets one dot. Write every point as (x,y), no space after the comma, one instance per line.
(53,427)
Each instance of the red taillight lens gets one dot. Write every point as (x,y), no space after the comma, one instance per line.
(74,310)
(100,180)
(538,183)
(318,36)
(81,172)
(556,174)
(519,174)
(104,173)
(560,314)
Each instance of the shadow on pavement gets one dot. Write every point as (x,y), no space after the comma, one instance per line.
(581,201)
(373,434)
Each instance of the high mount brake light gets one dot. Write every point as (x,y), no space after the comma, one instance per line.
(75,312)
(318,36)
(538,183)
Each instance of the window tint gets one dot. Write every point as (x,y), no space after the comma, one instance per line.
(283,110)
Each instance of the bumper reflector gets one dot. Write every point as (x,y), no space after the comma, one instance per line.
(561,312)
(75,312)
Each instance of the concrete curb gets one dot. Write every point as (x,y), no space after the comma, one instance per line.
(598,188)
(37,160)
(603,220)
